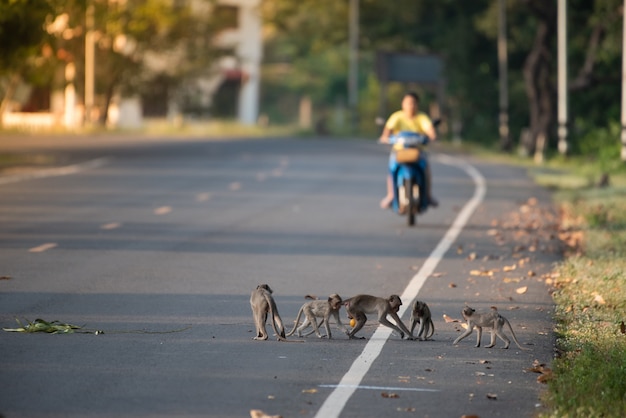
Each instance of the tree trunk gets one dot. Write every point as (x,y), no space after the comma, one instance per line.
(540,88)
(14,81)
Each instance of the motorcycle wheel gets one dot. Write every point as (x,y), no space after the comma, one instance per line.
(411,209)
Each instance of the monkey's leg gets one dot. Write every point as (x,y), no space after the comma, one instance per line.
(479,334)
(386,323)
(467,332)
(502,336)
(360,319)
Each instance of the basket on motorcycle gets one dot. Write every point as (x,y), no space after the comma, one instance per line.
(407,155)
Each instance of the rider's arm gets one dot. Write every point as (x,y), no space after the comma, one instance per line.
(384,137)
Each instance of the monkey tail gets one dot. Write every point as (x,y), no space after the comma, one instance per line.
(513,334)
(432,329)
(290,333)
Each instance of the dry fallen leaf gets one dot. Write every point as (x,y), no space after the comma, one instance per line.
(492,396)
(5,277)
(389,395)
(622,327)
(257,413)
(309,390)
(509,268)
(448,319)
(437,274)
(472,256)
(521,290)
(599,299)
(511,280)
(407,409)
(452,285)
(470,416)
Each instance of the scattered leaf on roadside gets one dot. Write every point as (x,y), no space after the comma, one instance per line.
(492,396)
(480,373)
(407,409)
(389,395)
(521,290)
(509,268)
(452,285)
(599,299)
(257,413)
(448,319)
(622,327)
(511,280)
(484,361)
(309,390)
(531,273)
(472,256)
(459,249)
(5,277)
(470,416)
(437,274)
(481,272)
(492,232)
(271,397)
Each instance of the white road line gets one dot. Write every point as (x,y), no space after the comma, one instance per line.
(384,388)
(54,172)
(350,382)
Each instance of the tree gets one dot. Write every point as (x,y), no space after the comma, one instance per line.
(22,34)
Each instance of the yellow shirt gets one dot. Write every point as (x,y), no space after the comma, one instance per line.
(398,121)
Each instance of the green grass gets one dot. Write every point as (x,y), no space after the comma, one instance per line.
(590,297)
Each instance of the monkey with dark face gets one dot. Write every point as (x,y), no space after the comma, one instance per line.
(262,304)
(360,305)
(491,319)
(319,309)
(421,315)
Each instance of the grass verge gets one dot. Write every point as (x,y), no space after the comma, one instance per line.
(589,378)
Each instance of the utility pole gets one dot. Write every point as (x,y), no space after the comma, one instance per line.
(562,75)
(353,75)
(623,153)
(505,140)
(90,57)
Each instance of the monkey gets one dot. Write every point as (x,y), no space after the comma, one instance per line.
(360,305)
(492,320)
(322,309)
(262,303)
(421,315)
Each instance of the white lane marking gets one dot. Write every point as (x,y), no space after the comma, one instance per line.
(336,401)
(54,172)
(384,388)
(43,247)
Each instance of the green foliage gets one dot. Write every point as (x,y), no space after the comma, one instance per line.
(21,31)
(590,302)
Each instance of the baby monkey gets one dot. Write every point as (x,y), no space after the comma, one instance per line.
(319,309)
(491,319)
(421,315)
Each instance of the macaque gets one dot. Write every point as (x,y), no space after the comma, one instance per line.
(319,309)
(421,315)
(262,304)
(491,319)
(360,305)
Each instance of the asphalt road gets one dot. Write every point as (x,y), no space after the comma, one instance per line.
(159,243)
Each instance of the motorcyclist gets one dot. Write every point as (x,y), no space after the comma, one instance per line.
(409,118)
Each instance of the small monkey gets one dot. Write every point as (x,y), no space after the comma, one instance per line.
(360,305)
(262,303)
(319,309)
(421,315)
(492,320)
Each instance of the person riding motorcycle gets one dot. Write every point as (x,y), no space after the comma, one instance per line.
(409,118)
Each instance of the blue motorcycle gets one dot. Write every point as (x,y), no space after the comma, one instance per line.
(407,166)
